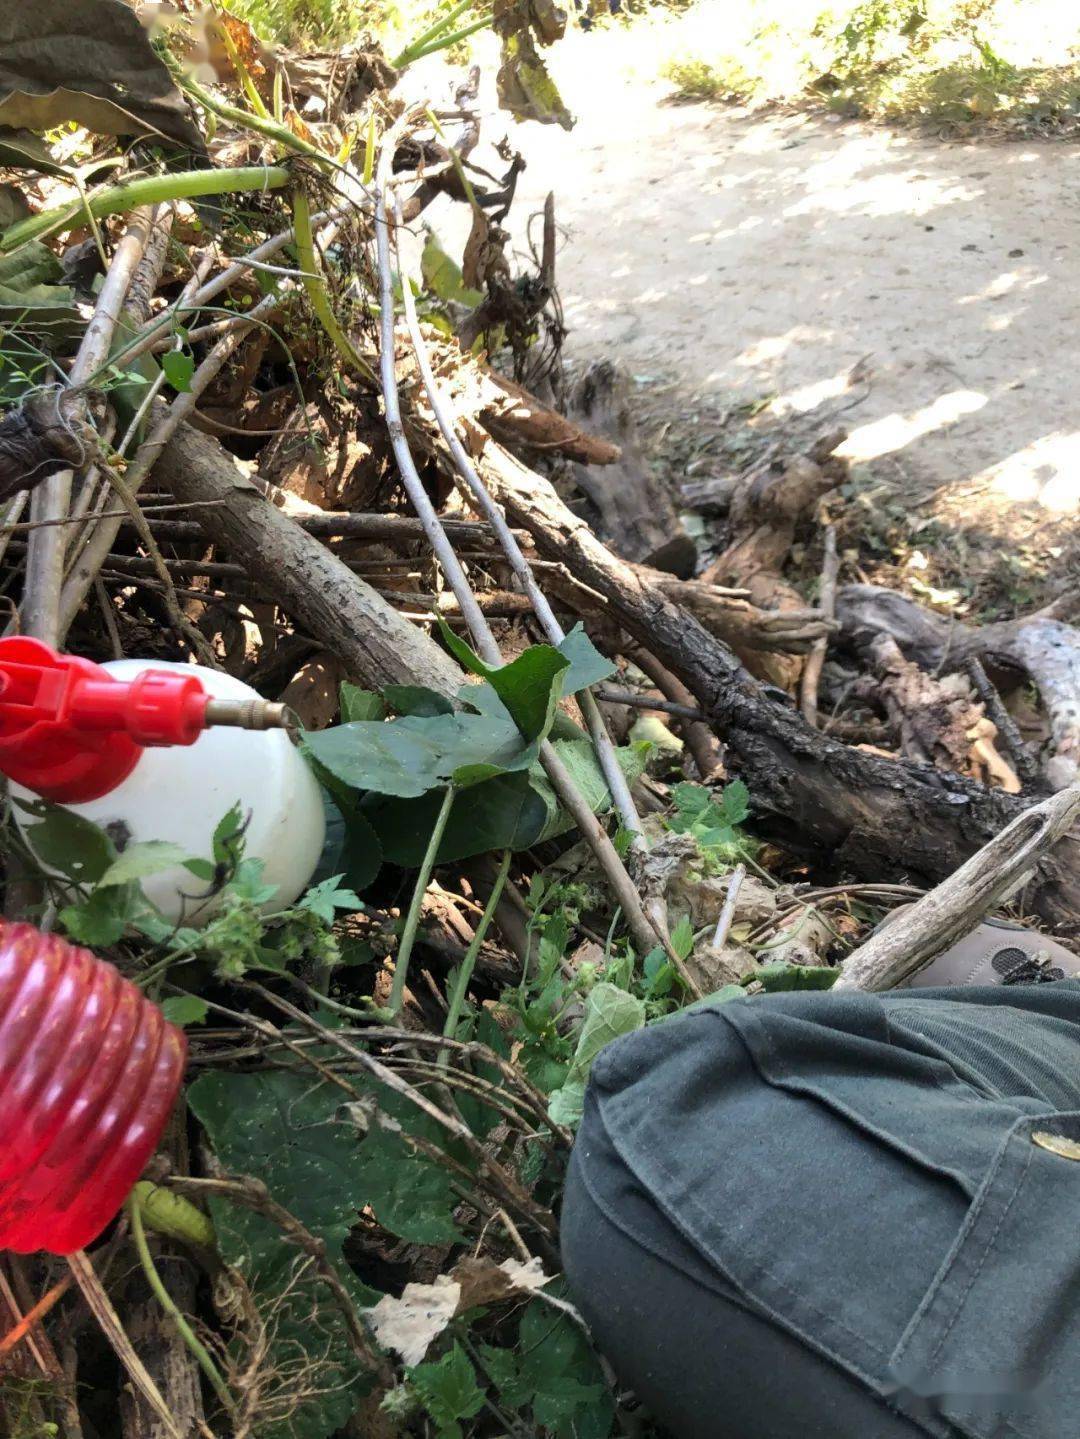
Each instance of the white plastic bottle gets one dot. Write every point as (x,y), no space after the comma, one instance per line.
(180,794)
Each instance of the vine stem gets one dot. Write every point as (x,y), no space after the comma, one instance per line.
(408,55)
(147,190)
(315,287)
(412,919)
(187,1334)
(468,964)
(445,41)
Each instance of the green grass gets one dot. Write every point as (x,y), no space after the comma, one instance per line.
(938,61)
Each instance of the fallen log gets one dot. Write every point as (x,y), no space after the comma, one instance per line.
(335,606)
(861,813)
(1039,646)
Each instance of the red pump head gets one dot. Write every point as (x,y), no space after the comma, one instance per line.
(71,732)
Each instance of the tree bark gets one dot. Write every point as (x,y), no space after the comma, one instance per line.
(863,813)
(336,607)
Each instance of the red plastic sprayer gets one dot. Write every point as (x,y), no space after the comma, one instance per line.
(71,732)
(89,1073)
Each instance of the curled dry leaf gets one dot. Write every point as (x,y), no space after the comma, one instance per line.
(92,63)
(411,1324)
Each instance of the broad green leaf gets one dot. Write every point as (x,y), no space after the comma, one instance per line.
(228,840)
(179,366)
(448,1391)
(609,1013)
(580,759)
(505,812)
(407,757)
(682,938)
(66,842)
(282,1128)
(587,665)
(358,704)
(563,1375)
(409,1195)
(502,1367)
(691,799)
(140,861)
(529,686)
(362,852)
(567,1104)
(185,1009)
(416,700)
(30,299)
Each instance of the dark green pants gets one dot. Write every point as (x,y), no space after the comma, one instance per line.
(818,1216)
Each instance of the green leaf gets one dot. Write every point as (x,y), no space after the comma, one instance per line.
(410,1195)
(416,700)
(179,366)
(587,665)
(140,861)
(448,1391)
(185,1009)
(68,843)
(407,757)
(569,1395)
(358,704)
(779,978)
(501,1366)
(735,802)
(30,299)
(529,686)
(279,1127)
(326,898)
(442,276)
(580,759)
(691,799)
(228,840)
(501,813)
(566,1106)
(682,938)
(102,919)
(362,853)
(609,1013)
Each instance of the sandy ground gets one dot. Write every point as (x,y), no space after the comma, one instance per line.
(926,288)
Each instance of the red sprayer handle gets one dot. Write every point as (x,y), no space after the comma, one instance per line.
(71,732)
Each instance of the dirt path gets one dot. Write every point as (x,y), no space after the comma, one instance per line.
(927,288)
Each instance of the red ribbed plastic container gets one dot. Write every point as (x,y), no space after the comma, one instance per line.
(89,1073)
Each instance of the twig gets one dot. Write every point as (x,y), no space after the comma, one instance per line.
(253,1194)
(731,900)
(636,700)
(605,750)
(101,1307)
(644,932)
(957,904)
(811,675)
(41,606)
(1026,766)
(104,533)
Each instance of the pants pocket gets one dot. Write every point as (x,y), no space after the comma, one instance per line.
(994,1348)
